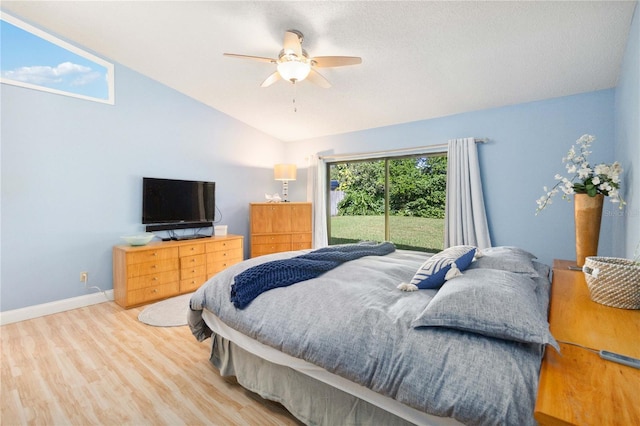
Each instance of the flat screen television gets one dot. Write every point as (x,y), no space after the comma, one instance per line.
(174,201)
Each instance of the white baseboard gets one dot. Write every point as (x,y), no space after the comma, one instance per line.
(36,311)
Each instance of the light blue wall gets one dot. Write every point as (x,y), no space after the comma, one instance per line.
(71,171)
(527,144)
(72,177)
(627,131)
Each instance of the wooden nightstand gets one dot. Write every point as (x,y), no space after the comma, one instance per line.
(577,386)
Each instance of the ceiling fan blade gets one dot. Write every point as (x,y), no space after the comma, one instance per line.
(255,58)
(315,77)
(335,61)
(271,79)
(293,42)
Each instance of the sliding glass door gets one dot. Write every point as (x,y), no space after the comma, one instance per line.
(390,199)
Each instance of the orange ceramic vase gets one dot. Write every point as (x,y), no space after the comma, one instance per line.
(588,215)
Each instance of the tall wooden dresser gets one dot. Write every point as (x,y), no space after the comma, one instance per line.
(277,227)
(577,387)
(159,270)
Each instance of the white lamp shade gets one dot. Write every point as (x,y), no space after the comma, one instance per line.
(293,70)
(284,172)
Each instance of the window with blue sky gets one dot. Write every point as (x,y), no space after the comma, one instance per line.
(34,59)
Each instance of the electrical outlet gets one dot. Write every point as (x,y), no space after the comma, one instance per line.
(84,276)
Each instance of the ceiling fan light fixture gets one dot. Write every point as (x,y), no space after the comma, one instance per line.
(294,70)
(294,64)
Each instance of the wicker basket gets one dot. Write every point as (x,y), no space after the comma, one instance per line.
(613,281)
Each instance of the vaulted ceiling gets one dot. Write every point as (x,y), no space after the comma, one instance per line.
(421,59)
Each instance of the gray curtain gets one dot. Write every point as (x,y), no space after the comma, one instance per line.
(465,216)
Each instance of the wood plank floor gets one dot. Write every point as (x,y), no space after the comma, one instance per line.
(99,365)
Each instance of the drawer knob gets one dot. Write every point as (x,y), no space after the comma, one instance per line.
(154,253)
(155,290)
(155,278)
(224,254)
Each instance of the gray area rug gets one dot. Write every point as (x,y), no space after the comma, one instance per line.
(167,313)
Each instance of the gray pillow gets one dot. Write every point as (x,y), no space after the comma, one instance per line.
(490,302)
(510,250)
(511,259)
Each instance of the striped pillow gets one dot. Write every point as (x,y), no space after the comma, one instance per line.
(433,273)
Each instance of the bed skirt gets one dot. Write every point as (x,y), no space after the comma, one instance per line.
(308,398)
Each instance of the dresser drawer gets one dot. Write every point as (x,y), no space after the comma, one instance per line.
(192,284)
(224,245)
(301,238)
(153,267)
(301,245)
(224,254)
(144,295)
(191,261)
(214,267)
(262,249)
(151,255)
(153,280)
(191,249)
(271,239)
(193,271)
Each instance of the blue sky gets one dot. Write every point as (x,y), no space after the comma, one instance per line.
(30,59)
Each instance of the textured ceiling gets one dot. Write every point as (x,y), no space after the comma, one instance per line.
(420,59)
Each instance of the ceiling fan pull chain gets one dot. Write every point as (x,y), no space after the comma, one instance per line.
(295,108)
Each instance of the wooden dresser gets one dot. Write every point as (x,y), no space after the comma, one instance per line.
(578,387)
(163,269)
(277,227)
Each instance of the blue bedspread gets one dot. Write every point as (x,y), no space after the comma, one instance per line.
(254,281)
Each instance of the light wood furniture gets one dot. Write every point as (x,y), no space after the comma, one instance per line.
(277,227)
(163,269)
(577,386)
(99,365)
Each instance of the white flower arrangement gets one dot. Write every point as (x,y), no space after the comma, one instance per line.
(601,179)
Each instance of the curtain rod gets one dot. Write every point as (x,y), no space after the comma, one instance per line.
(430,149)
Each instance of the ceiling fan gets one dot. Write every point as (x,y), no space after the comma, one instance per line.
(294,64)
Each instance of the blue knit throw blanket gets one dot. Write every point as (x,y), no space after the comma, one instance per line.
(254,281)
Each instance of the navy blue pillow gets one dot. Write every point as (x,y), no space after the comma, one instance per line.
(432,274)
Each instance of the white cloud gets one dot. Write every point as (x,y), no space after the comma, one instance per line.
(47,75)
(86,78)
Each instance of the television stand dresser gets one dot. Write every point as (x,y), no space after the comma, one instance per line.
(158,270)
(577,387)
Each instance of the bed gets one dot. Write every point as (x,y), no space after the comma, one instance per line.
(349,347)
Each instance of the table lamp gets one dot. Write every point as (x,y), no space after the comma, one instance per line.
(285,173)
